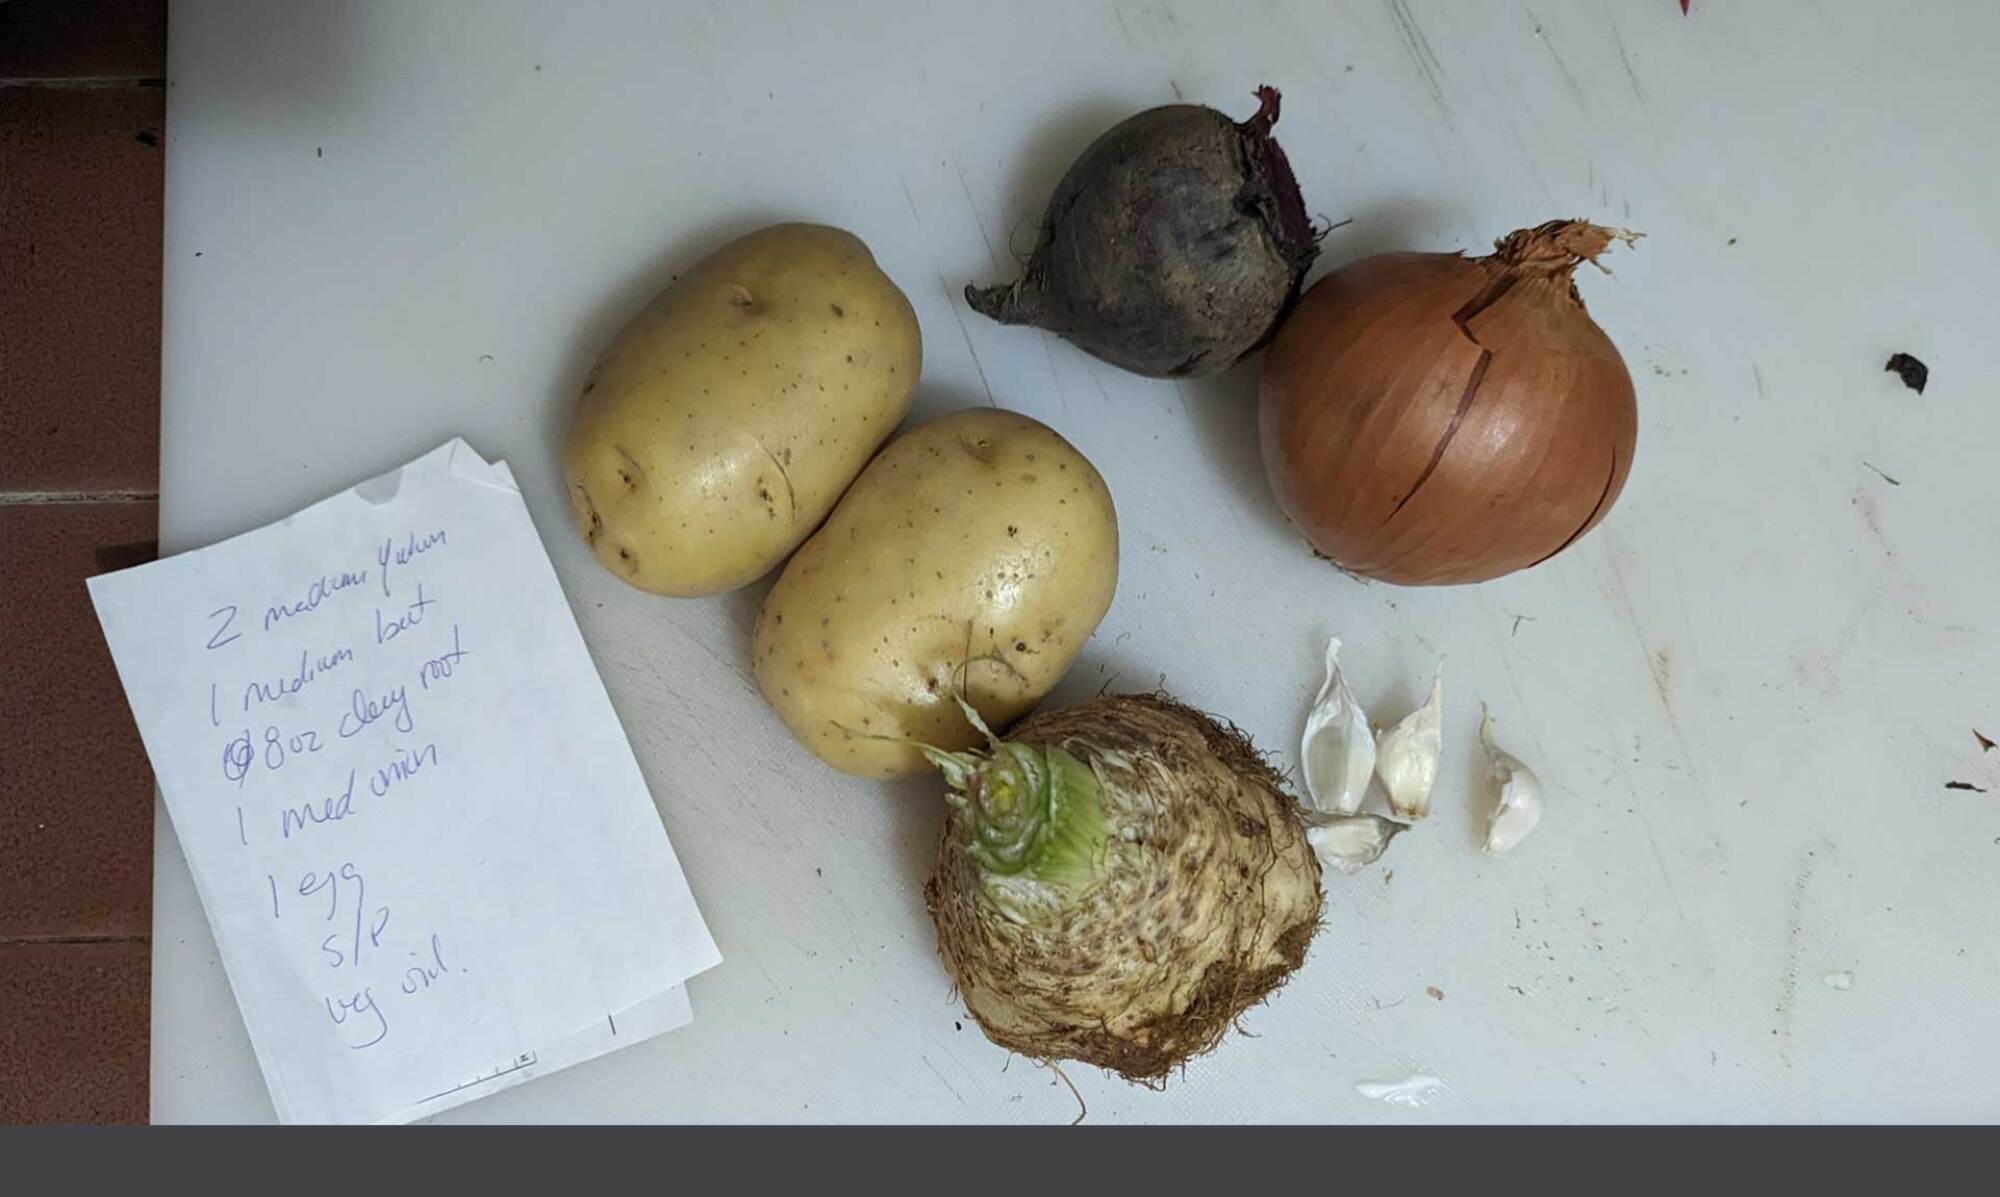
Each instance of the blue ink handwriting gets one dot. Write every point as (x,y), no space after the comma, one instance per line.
(366,710)
(406,765)
(387,630)
(361,1003)
(309,670)
(217,639)
(331,809)
(240,754)
(402,554)
(440,667)
(321,588)
(423,975)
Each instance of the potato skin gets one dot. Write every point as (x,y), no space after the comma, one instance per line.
(725,420)
(982,535)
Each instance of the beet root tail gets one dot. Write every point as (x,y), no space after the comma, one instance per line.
(1009,303)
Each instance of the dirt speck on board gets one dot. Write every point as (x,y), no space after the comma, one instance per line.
(1879,473)
(1436,993)
(1964,785)
(1985,745)
(1915,374)
(1870,511)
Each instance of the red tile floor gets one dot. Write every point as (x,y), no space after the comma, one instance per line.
(82,140)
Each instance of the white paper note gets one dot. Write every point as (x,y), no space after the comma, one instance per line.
(430,861)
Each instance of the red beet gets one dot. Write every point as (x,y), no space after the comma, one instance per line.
(1172,247)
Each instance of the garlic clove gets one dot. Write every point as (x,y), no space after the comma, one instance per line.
(1519,807)
(1337,751)
(1406,755)
(1348,842)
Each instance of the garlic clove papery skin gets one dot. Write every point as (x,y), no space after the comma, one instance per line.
(1406,755)
(1348,842)
(1519,807)
(1337,752)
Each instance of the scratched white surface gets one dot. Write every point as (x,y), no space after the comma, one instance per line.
(389,223)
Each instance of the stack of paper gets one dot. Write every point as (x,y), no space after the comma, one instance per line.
(430,861)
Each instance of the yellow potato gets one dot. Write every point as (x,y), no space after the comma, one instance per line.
(726,419)
(979,550)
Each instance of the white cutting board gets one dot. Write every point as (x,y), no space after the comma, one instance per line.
(389,223)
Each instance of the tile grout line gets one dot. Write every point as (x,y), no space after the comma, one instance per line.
(85,82)
(33,498)
(37,941)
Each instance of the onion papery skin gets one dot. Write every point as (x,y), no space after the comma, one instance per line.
(1432,419)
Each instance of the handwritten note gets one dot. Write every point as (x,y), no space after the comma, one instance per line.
(430,861)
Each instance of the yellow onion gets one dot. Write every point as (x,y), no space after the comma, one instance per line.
(1432,419)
